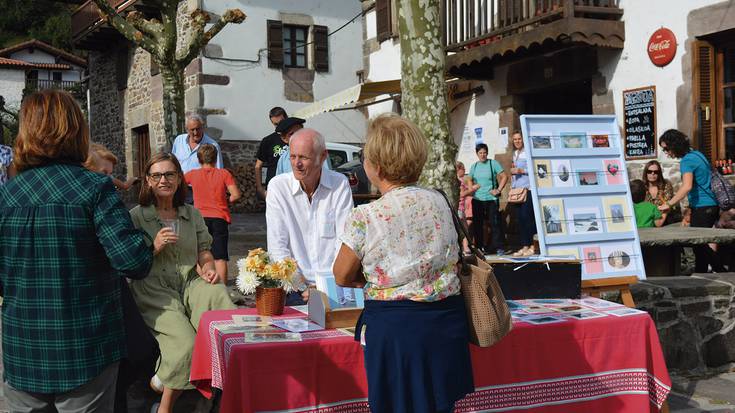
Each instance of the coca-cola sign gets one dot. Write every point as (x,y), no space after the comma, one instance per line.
(662,47)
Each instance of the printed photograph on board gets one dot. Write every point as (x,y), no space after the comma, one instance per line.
(600,140)
(592,258)
(618,217)
(573,140)
(618,257)
(583,220)
(552,211)
(562,252)
(613,172)
(541,140)
(562,173)
(543,173)
(587,178)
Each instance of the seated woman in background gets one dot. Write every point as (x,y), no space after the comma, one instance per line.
(403,249)
(660,190)
(174,296)
(101,160)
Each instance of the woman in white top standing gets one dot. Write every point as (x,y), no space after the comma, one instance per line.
(519,179)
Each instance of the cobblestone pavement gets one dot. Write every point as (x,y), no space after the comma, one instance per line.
(714,394)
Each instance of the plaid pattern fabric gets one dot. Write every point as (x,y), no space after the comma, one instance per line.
(66,240)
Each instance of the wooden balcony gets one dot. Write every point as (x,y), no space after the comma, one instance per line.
(90,32)
(77,89)
(482,33)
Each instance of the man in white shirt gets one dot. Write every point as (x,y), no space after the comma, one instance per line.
(187,144)
(306,210)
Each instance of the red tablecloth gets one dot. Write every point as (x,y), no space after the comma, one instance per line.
(610,364)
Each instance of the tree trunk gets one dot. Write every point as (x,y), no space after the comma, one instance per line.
(424,93)
(173,102)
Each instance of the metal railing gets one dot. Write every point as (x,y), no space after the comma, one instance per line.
(469,23)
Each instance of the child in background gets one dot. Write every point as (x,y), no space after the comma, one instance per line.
(647,215)
(211,185)
(101,160)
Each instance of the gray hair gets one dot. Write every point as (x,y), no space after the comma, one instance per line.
(195,116)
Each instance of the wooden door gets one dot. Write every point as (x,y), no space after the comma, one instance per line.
(143,152)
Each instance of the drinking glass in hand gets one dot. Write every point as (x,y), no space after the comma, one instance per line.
(171,223)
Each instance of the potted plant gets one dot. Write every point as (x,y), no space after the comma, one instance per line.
(269,280)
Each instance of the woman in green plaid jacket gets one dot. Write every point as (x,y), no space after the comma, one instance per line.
(66,244)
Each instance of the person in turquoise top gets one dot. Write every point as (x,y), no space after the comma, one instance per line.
(647,215)
(491,177)
(695,184)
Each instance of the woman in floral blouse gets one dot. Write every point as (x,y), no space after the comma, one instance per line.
(660,190)
(403,250)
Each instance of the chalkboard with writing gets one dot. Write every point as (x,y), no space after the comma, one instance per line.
(639,118)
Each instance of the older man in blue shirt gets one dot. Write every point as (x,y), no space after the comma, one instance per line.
(186,145)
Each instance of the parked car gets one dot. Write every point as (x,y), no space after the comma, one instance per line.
(359,183)
(340,153)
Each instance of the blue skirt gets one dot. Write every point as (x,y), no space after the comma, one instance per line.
(417,355)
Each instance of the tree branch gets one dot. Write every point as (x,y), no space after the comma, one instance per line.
(124,27)
(200,38)
(152,28)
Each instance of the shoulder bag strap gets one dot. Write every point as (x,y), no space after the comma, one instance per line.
(711,168)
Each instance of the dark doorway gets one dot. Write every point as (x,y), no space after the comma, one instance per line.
(569,99)
(143,149)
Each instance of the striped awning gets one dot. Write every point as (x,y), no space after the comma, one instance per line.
(354,94)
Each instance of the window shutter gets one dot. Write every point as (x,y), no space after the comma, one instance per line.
(704,98)
(383,19)
(275,44)
(321,48)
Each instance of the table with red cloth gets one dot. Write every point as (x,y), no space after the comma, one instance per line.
(605,364)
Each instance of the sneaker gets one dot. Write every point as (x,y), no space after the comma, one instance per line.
(500,251)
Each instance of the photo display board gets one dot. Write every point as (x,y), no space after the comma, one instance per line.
(581,195)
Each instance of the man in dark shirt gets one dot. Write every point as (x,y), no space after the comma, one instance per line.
(269,151)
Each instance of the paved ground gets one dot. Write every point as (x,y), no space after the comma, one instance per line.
(690,395)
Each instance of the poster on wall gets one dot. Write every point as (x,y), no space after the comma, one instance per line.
(580,193)
(476,133)
(639,122)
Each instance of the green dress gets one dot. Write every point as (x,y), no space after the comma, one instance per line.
(173,297)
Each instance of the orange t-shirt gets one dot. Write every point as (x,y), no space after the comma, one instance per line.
(210,191)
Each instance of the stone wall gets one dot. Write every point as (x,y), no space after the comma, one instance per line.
(695,319)
(106,105)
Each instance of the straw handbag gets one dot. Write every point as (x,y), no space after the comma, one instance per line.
(517,195)
(488,314)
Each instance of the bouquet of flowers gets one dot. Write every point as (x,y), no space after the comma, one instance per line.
(257,270)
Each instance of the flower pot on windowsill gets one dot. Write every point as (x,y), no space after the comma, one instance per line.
(270,301)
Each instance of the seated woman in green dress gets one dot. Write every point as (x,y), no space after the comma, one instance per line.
(175,294)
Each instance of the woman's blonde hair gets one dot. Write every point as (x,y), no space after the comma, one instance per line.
(52,128)
(98,152)
(397,147)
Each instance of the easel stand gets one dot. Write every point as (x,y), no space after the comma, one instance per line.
(622,285)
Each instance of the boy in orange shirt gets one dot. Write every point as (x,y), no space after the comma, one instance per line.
(210,186)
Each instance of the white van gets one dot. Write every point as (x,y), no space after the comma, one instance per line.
(340,153)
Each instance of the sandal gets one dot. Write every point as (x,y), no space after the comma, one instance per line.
(522,252)
(528,252)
